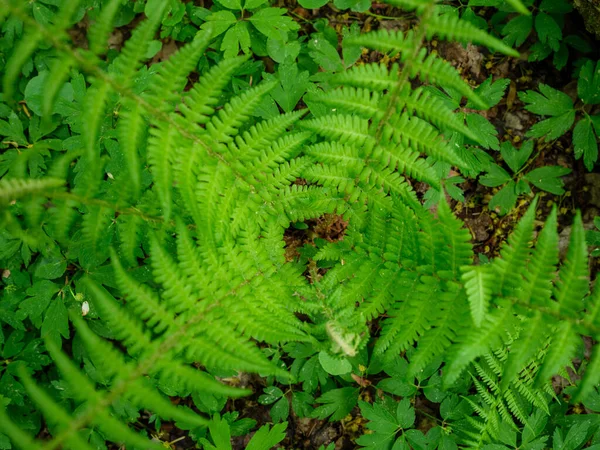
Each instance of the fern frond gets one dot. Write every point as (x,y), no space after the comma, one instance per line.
(405,160)
(133,52)
(538,287)
(174,72)
(15,188)
(31,40)
(434,69)
(85,392)
(478,282)
(573,277)
(226,123)
(450,27)
(375,77)
(54,413)
(427,106)
(198,104)
(162,143)
(131,127)
(477,342)
(515,254)
(99,32)
(342,128)
(126,327)
(142,300)
(457,239)
(20,438)
(383,40)
(351,100)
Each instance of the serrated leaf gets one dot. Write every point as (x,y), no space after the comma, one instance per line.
(588,84)
(585,143)
(548,31)
(266,439)
(271,21)
(554,127)
(236,38)
(504,200)
(219,22)
(490,92)
(495,176)
(517,30)
(548,178)
(486,132)
(271,395)
(56,321)
(336,404)
(515,158)
(280,410)
(325,54)
(547,102)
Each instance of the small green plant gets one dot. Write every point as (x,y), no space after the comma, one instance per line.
(547,178)
(548,22)
(563,112)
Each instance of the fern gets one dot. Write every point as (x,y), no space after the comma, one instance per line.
(193,222)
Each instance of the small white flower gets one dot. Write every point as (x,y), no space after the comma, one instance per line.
(85,308)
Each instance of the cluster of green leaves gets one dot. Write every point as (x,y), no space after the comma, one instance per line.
(140,210)
(563,111)
(547,178)
(542,31)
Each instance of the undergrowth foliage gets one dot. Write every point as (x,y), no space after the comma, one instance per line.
(173,205)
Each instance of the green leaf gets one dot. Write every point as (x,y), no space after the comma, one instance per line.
(504,200)
(484,131)
(219,22)
(302,403)
(554,127)
(548,31)
(280,410)
(354,5)
(336,403)
(283,52)
(550,102)
(266,439)
(40,295)
(235,38)
(231,4)
(333,365)
(556,6)
(588,84)
(383,424)
(56,321)
(495,176)
(490,92)
(51,267)
(312,4)
(517,30)
(585,143)
(325,54)
(271,395)
(292,87)
(548,178)
(269,21)
(516,158)
(478,285)
(405,414)
(252,4)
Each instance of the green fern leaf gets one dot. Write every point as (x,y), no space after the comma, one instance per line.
(478,282)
